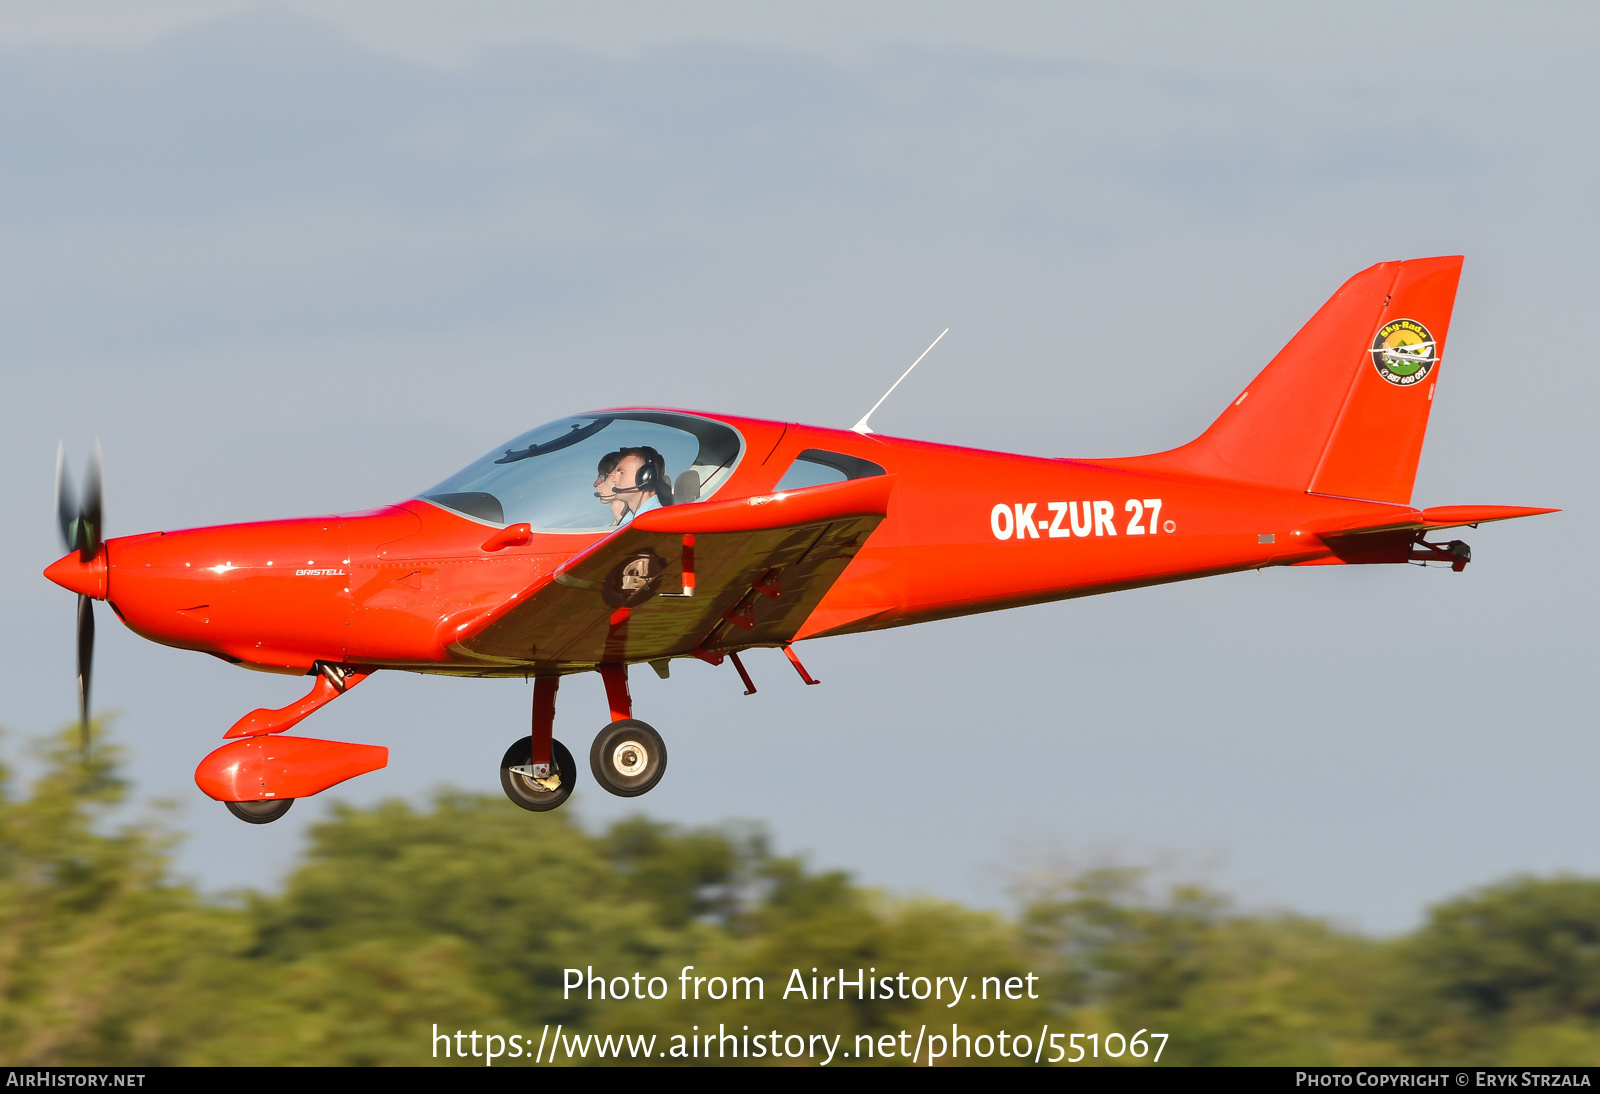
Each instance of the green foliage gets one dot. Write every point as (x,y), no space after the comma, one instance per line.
(1228,989)
(1525,948)
(467,914)
(101,957)
(1506,973)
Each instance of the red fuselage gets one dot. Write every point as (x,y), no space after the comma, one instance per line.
(702,535)
(644,535)
(967,531)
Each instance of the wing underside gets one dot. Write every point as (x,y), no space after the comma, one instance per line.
(622,601)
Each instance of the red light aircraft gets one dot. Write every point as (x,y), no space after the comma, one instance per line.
(640,535)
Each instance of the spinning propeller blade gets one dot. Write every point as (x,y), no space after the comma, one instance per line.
(85,666)
(81,525)
(89,525)
(66,499)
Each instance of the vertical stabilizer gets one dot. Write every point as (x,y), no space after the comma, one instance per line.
(1343,408)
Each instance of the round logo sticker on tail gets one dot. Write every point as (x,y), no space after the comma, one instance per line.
(1403,352)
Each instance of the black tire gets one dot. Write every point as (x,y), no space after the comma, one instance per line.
(628,758)
(260,812)
(523,791)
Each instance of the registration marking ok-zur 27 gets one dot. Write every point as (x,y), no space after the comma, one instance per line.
(1080,519)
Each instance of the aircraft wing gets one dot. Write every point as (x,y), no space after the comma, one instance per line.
(759,564)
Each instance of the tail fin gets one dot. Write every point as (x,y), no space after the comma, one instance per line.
(1342,409)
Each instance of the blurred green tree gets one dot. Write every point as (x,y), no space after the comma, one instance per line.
(102,957)
(1227,989)
(1509,973)
(508,902)
(469,912)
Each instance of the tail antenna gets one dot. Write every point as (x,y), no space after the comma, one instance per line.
(861,426)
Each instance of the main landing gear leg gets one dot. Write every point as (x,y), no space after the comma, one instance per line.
(538,773)
(628,757)
(616,680)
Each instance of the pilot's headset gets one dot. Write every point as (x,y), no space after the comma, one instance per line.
(652,477)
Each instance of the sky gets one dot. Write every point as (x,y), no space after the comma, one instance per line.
(294,258)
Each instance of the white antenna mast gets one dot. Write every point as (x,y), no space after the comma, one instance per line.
(861,426)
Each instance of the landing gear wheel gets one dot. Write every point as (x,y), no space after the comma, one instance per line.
(524,791)
(628,758)
(260,812)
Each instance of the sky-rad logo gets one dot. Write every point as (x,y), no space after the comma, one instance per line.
(1403,352)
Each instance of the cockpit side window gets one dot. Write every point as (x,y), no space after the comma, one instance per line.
(554,477)
(817,467)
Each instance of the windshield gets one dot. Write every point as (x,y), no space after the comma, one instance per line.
(564,476)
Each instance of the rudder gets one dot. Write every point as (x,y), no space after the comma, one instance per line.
(1343,408)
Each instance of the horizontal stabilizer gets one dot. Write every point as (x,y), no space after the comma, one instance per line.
(1454,516)
(1400,535)
(1421,520)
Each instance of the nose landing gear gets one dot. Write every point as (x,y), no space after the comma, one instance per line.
(260,776)
(260,812)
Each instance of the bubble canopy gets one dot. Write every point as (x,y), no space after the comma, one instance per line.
(546,477)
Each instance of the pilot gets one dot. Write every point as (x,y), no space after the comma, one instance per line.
(641,479)
(603,490)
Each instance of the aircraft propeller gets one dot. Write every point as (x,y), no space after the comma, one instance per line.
(82,531)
